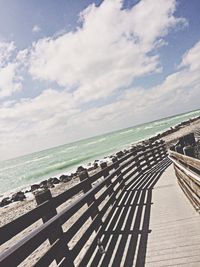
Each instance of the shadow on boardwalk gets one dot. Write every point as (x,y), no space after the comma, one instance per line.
(124,234)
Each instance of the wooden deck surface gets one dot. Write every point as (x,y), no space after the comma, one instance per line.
(153,224)
(175,226)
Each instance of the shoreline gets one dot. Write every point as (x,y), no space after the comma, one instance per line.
(16,209)
(69,179)
(169,136)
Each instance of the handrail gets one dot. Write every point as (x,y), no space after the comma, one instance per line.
(187,170)
(186,159)
(19,224)
(123,170)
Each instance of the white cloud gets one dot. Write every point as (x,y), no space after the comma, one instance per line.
(191,59)
(33,124)
(54,117)
(6,50)
(108,51)
(179,92)
(10,82)
(36,29)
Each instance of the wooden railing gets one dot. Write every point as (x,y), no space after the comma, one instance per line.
(86,214)
(187,170)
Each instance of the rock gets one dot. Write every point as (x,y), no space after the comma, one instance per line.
(120,154)
(53,180)
(19,196)
(89,169)
(80,169)
(83,175)
(44,184)
(73,175)
(114,159)
(5,201)
(27,191)
(95,166)
(126,151)
(49,185)
(103,165)
(65,178)
(34,187)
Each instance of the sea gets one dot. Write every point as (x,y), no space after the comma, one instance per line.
(26,170)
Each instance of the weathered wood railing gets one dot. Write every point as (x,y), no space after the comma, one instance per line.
(88,213)
(187,170)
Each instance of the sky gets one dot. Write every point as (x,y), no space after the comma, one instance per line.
(74,69)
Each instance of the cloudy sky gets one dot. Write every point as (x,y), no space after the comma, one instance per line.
(73,69)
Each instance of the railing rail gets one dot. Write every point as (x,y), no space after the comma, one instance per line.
(103,190)
(187,170)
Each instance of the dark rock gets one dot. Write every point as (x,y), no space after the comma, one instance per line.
(83,175)
(120,154)
(103,165)
(19,196)
(73,175)
(50,185)
(53,180)
(114,159)
(27,191)
(65,178)
(126,151)
(5,201)
(44,184)
(80,169)
(90,169)
(34,187)
(95,166)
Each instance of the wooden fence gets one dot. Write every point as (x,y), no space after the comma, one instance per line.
(187,170)
(99,192)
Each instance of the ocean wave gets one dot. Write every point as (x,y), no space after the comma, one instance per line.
(23,163)
(128,131)
(95,142)
(67,149)
(148,127)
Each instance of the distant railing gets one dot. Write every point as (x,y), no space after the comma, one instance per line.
(99,192)
(187,170)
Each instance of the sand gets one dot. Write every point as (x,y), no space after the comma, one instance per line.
(173,137)
(16,209)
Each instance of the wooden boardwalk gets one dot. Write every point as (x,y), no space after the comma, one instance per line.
(132,213)
(153,224)
(175,226)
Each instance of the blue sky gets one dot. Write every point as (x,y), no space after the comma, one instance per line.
(74,69)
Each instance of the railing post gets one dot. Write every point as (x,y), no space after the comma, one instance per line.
(103,166)
(115,161)
(84,176)
(147,159)
(155,151)
(151,154)
(57,233)
(118,172)
(159,151)
(139,169)
(164,148)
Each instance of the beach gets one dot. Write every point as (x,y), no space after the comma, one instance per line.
(10,212)
(21,207)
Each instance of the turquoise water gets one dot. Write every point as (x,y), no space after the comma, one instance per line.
(32,168)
